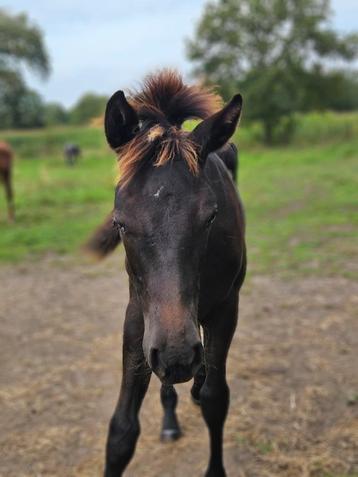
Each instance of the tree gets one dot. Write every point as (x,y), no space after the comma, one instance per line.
(89,106)
(11,86)
(55,114)
(271,50)
(335,89)
(30,110)
(20,107)
(21,43)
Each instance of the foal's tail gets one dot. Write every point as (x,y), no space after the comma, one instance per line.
(104,240)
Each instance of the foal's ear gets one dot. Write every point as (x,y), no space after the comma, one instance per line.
(120,121)
(212,133)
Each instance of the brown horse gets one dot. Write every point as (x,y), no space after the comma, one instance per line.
(179,216)
(6,159)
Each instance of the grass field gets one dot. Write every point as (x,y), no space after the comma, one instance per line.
(300,199)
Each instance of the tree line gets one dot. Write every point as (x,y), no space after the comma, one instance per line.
(22,43)
(23,108)
(283,55)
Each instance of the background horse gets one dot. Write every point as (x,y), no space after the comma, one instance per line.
(179,216)
(6,158)
(71,153)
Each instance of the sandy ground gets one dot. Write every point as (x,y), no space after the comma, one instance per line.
(292,372)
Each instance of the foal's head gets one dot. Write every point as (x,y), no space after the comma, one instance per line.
(165,209)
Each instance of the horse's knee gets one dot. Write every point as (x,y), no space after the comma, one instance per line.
(214,392)
(123,434)
(121,442)
(214,400)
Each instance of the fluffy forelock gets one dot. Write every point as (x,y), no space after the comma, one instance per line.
(163,103)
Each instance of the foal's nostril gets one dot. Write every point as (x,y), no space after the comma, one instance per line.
(176,366)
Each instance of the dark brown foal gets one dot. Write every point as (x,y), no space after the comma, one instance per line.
(179,216)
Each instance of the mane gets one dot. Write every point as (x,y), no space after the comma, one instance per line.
(162,105)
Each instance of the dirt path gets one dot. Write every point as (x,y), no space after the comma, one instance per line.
(292,371)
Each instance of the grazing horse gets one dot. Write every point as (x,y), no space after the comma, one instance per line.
(71,153)
(179,216)
(6,158)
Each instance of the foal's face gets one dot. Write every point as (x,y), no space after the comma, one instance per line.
(164,218)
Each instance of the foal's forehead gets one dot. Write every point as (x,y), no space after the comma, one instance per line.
(171,179)
(171,186)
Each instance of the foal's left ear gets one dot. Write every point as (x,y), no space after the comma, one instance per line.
(120,121)
(212,133)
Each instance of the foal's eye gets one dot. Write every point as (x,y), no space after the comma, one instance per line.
(211,219)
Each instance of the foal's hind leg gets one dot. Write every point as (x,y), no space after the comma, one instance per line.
(214,395)
(199,380)
(170,428)
(124,427)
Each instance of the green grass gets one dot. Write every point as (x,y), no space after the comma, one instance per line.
(57,206)
(301,208)
(300,200)
(46,143)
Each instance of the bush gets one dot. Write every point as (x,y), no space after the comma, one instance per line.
(89,106)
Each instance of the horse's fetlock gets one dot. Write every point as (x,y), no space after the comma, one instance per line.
(216,472)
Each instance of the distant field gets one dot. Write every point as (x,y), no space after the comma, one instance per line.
(302,208)
(56,205)
(300,199)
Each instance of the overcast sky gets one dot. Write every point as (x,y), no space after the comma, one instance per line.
(105,45)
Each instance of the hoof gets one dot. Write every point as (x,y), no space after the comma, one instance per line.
(170,435)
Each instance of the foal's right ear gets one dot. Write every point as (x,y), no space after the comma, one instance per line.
(120,121)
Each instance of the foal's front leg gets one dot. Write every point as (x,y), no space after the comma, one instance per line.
(214,395)
(199,380)
(124,426)
(170,427)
